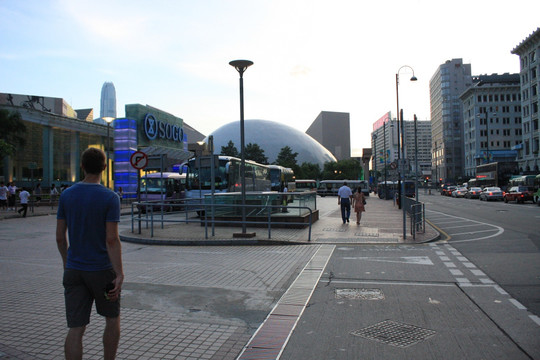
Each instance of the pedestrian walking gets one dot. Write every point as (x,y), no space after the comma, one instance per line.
(344,200)
(92,260)
(3,195)
(23,195)
(37,193)
(12,196)
(359,202)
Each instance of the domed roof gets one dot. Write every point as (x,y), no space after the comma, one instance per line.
(272,137)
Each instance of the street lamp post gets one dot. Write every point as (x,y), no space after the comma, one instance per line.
(375,159)
(109,120)
(241,66)
(400,118)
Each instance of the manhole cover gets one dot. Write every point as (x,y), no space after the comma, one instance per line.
(361,294)
(394,333)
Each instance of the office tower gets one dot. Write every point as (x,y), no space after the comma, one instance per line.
(108,101)
(529,55)
(332,130)
(447,84)
(491,120)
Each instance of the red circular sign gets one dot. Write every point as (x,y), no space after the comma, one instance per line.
(139,160)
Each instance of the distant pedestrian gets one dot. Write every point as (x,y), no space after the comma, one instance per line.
(54,190)
(37,193)
(359,202)
(344,200)
(23,195)
(93,258)
(3,195)
(12,196)
(284,200)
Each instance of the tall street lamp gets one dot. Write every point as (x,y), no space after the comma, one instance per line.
(400,119)
(241,66)
(375,159)
(109,120)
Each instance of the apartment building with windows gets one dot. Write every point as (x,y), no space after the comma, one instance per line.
(445,87)
(492,125)
(529,56)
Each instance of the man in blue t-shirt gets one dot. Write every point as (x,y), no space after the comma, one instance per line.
(89,213)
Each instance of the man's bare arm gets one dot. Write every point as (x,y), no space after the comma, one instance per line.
(114,249)
(61,239)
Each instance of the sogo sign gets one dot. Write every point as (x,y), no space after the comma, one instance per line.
(155,129)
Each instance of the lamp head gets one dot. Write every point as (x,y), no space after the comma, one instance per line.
(414,78)
(108,119)
(241,65)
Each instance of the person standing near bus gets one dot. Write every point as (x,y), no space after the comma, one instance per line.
(344,200)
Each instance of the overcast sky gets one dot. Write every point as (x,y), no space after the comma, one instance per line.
(309,56)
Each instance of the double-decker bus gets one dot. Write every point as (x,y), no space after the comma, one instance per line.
(495,174)
(227,176)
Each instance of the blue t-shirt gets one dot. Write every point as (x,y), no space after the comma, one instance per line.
(87,208)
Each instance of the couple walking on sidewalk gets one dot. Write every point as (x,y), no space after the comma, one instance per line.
(346,199)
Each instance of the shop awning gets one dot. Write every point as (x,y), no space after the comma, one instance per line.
(179,156)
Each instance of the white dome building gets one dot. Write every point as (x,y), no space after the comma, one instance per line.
(272,137)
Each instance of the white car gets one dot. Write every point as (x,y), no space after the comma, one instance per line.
(491,193)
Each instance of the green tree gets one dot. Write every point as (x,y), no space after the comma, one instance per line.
(348,169)
(287,158)
(12,130)
(309,171)
(230,150)
(255,153)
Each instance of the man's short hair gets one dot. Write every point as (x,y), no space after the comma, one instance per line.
(93,161)
(345,183)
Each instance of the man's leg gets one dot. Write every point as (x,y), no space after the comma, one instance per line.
(111,337)
(343,212)
(73,346)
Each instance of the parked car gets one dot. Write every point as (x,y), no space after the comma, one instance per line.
(459,192)
(447,191)
(473,193)
(519,194)
(491,193)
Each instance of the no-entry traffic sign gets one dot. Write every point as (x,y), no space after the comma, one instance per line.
(139,160)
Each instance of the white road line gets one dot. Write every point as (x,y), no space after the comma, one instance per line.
(517,304)
(499,230)
(473,232)
(536,319)
(462,226)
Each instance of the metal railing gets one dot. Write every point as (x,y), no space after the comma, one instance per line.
(185,210)
(416,212)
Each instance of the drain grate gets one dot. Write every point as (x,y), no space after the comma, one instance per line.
(360,294)
(395,333)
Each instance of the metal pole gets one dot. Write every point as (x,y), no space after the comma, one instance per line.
(402,188)
(243,155)
(108,147)
(398,142)
(385,173)
(415,158)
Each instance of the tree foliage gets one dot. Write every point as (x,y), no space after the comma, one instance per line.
(309,171)
(12,130)
(230,150)
(255,153)
(287,158)
(348,169)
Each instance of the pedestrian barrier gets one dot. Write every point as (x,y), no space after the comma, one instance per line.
(196,211)
(416,211)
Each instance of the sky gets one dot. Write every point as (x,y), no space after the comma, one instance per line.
(309,56)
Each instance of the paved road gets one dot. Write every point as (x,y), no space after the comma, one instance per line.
(337,298)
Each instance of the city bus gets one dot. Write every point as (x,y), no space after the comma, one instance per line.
(331,187)
(227,176)
(166,187)
(305,185)
(281,177)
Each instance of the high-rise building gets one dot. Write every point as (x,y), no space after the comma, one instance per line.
(529,54)
(384,138)
(108,101)
(491,120)
(447,84)
(332,130)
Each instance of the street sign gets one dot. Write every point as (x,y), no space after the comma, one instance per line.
(139,160)
(393,165)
